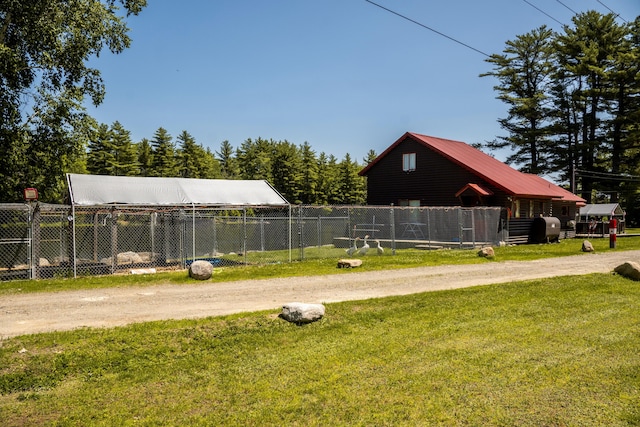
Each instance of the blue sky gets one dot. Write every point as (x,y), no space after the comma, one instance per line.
(343,75)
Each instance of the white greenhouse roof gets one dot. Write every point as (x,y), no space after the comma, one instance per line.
(601,209)
(91,190)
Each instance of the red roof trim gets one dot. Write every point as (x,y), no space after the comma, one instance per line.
(383,154)
(476,188)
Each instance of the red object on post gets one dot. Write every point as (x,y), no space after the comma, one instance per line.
(613,231)
(30,194)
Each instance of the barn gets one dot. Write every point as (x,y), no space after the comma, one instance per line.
(421,170)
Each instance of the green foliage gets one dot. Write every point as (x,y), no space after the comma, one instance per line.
(524,72)
(145,157)
(573,104)
(111,152)
(228,163)
(164,161)
(195,161)
(44,79)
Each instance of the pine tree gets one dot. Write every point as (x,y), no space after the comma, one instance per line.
(328,192)
(370,157)
(188,156)
(254,159)
(124,160)
(524,71)
(228,162)
(308,194)
(145,157)
(585,52)
(209,166)
(100,156)
(164,161)
(351,185)
(195,161)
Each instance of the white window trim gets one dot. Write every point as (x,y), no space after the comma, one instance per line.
(408,162)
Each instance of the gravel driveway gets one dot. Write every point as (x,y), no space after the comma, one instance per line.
(44,312)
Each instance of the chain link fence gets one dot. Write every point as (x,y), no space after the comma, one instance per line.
(42,241)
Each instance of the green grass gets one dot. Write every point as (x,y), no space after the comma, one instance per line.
(320,261)
(549,352)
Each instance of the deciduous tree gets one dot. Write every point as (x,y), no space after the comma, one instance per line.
(44,80)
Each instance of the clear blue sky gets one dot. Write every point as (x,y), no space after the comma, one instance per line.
(344,75)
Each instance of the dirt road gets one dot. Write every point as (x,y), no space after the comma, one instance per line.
(43,312)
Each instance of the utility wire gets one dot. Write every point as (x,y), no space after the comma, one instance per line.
(542,11)
(606,176)
(574,12)
(429,28)
(611,10)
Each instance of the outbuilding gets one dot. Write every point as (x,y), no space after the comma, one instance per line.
(594,218)
(421,170)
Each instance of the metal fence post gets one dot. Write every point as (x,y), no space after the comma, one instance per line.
(244,233)
(429,226)
(72,225)
(392,226)
(300,230)
(35,242)
(193,231)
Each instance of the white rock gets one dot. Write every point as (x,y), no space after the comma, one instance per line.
(587,246)
(298,312)
(201,270)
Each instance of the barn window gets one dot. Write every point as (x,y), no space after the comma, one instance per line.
(409,162)
(409,202)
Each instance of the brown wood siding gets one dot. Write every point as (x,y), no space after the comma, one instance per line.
(435,181)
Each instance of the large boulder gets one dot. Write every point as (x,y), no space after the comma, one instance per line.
(298,312)
(201,270)
(587,246)
(629,269)
(129,258)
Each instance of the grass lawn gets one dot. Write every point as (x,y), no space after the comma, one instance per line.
(560,351)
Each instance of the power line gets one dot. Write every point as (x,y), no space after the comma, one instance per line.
(542,11)
(574,12)
(429,28)
(611,10)
(607,176)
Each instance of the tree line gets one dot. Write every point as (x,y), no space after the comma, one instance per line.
(296,171)
(573,102)
(46,132)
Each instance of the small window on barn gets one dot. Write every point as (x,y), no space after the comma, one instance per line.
(409,202)
(409,162)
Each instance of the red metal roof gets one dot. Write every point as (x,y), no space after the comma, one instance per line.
(491,170)
(476,188)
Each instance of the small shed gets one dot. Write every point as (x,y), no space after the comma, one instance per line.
(600,213)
